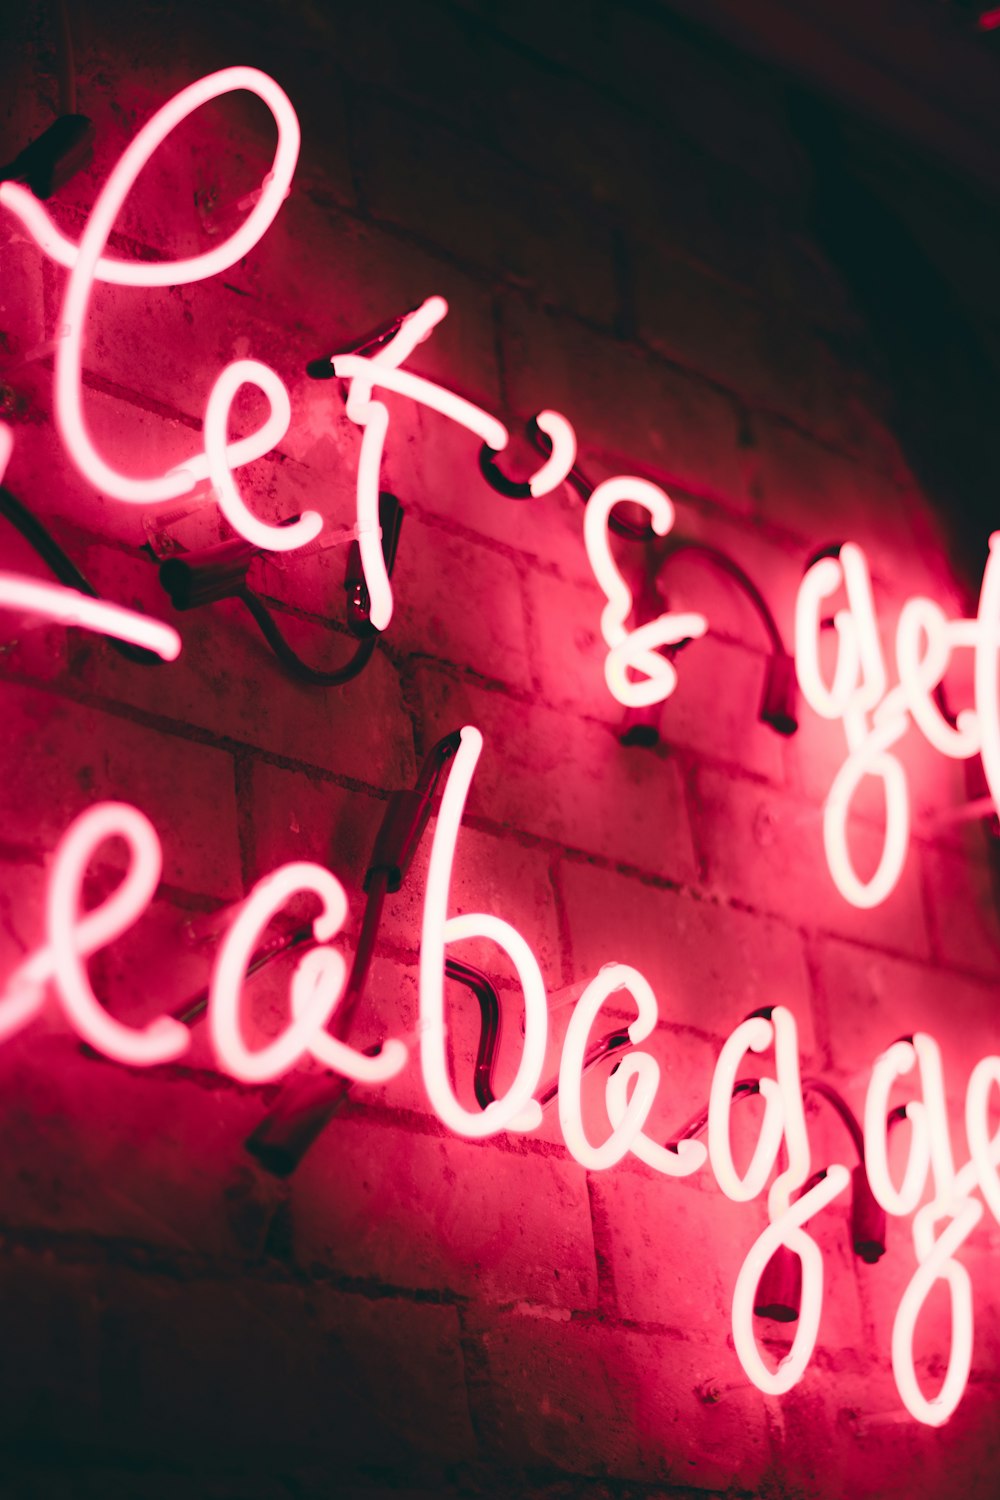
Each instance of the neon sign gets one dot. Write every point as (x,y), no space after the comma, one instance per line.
(875,717)
(637,674)
(317,983)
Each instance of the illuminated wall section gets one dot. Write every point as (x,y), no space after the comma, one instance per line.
(497,972)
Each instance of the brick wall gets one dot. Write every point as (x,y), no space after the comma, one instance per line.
(618,214)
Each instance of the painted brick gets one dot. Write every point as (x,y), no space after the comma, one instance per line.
(669,1412)
(962,910)
(768,355)
(461,603)
(868,999)
(42,476)
(714,708)
(709,964)
(439,470)
(51,1392)
(800,481)
(426,1213)
(294,815)
(492,873)
(689,581)
(542,239)
(673,427)
(79,756)
(567,780)
(297,817)
(185,1371)
(98,1151)
(22,305)
(767,851)
(657,1231)
(227,680)
(844,1436)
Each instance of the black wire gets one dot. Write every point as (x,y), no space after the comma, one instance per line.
(64,568)
(294,664)
(734,571)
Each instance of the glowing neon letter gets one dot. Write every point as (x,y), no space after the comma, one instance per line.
(230,501)
(983,1148)
(754,1035)
(55,602)
(87,263)
(627,1114)
(383,369)
(317,985)
(72,936)
(786,1230)
(858,688)
(635,649)
(562,458)
(936,1263)
(517,1109)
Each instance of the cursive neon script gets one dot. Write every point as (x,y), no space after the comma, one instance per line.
(875,717)
(58,967)
(636,674)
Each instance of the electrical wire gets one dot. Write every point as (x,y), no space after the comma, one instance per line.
(293,663)
(64,568)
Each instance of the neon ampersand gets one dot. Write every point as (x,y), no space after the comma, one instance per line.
(87,263)
(633,650)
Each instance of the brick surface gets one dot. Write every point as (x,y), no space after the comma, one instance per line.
(664,1417)
(672,427)
(767,851)
(80,756)
(99,1152)
(540,240)
(621,214)
(869,999)
(414,1211)
(709,964)
(216,684)
(626,808)
(196,1368)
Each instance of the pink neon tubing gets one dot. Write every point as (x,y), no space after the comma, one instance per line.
(753,1035)
(634,648)
(71,937)
(318,994)
(89,266)
(987,664)
(562,458)
(55,602)
(628,1108)
(322,969)
(787,1230)
(937,1264)
(373,373)
(228,498)
(517,1109)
